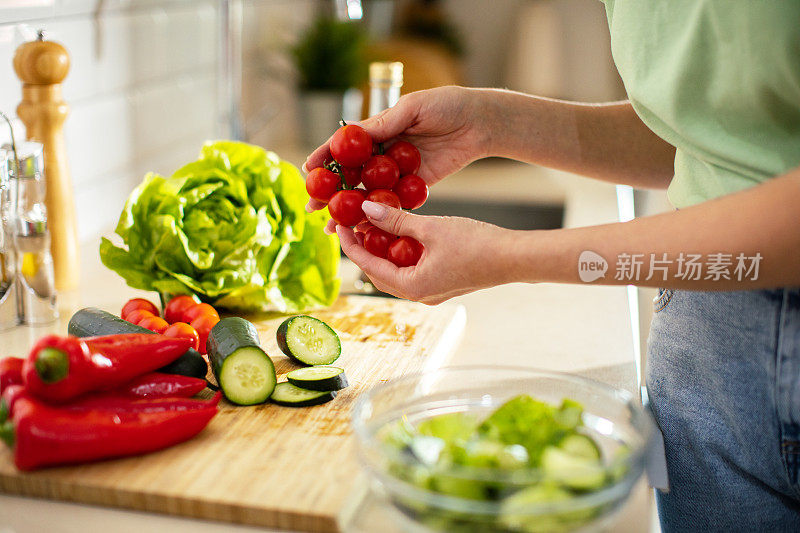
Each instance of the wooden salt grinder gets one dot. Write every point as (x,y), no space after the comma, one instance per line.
(42,66)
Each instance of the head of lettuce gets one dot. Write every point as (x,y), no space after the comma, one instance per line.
(231,228)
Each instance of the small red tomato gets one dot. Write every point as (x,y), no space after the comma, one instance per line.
(182,330)
(380,172)
(363,226)
(174,310)
(138,303)
(136,316)
(412,191)
(351,145)
(406,156)
(154,323)
(384,196)
(405,251)
(345,207)
(351,176)
(377,241)
(203,325)
(198,310)
(321,184)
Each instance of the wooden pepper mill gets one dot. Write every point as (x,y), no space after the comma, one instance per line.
(42,66)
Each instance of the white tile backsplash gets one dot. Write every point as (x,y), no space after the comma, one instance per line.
(142,89)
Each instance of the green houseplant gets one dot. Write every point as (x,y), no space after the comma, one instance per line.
(330,61)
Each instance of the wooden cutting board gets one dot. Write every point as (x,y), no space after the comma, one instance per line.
(281,467)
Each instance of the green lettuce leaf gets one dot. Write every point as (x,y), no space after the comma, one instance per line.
(230,227)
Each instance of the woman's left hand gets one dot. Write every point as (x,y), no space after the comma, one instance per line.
(461,255)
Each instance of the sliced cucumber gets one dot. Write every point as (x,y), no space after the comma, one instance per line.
(571,471)
(309,340)
(318,378)
(244,372)
(581,446)
(292,396)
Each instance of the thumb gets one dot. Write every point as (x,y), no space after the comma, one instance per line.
(395,221)
(390,122)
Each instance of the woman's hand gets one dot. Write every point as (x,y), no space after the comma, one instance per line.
(446,124)
(461,255)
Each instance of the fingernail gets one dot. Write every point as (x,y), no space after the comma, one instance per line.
(374,210)
(304,168)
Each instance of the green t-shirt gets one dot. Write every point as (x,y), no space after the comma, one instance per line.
(719,80)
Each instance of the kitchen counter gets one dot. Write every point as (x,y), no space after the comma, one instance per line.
(579,329)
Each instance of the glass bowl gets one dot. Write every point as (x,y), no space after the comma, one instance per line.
(613,418)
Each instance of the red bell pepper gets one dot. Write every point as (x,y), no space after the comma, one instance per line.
(44,435)
(10,372)
(159,385)
(62,368)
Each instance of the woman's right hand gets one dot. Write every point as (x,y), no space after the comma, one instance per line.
(446,124)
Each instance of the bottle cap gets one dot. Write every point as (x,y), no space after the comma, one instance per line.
(387,74)
(31,160)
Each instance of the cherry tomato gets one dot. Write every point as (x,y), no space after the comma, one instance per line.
(173,312)
(203,325)
(321,184)
(412,191)
(377,241)
(182,330)
(406,156)
(380,172)
(137,315)
(345,207)
(154,323)
(363,226)
(351,176)
(138,303)
(384,196)
(405,251)
(351,145)
(198,310)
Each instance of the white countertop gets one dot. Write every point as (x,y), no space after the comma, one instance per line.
(584,329)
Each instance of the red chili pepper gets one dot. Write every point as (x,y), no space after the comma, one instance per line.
(159,385)
(10,372)
(62,368)
(43,435)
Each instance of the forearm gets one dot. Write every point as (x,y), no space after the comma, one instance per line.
(602,141)
(758,222)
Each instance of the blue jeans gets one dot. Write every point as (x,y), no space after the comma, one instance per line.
(723,377)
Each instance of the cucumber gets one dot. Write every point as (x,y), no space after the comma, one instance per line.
(318,378)
(244,372)
(309,340)
(580,446)
(293,396)
(571,471)
(90,322)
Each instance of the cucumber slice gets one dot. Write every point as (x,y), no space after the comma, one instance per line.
(581,446)
(292,396)
(319,378)
(244,372)
(571,471)
(309,340)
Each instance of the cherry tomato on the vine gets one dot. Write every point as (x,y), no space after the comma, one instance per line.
(154,323)
(345,207)
(138,303)
(380,172)
(137,315)
(405,251)
(182,330)
(174,310)
(384,196)
(203,325)
(351,145)
(321,184)
(412,191)
(351,176)
(198,310)
(377,241)
(405,155)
